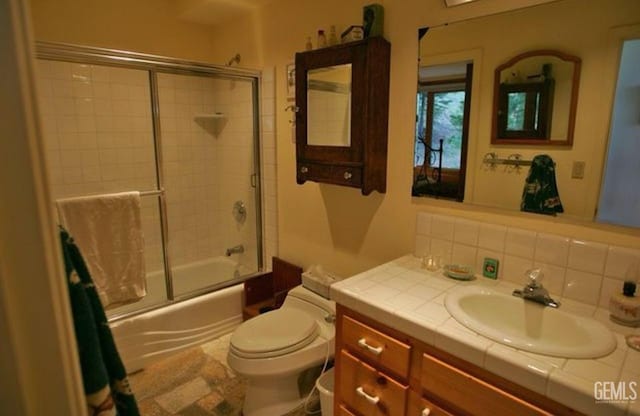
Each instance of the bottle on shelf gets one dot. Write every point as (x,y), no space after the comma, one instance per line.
(308,46)
(333,38)
(322,39)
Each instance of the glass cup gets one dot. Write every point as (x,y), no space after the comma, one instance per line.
(432,262)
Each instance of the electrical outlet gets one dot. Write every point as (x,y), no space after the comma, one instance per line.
(577,171)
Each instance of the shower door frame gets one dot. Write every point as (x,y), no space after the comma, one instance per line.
(155,64)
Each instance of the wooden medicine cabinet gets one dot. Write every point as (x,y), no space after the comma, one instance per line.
(342,108)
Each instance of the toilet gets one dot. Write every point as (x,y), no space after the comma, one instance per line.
(272,349)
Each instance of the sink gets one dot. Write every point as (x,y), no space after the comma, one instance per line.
(527,325)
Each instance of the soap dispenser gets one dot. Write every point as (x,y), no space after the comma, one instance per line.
(625,307)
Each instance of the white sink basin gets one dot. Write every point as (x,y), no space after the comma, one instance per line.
(529,326)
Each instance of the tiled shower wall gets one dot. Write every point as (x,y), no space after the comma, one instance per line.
(268,161)
(99,138)
(585,271)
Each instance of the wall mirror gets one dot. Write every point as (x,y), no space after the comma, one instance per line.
(535,98)
(329,103)
(494,40)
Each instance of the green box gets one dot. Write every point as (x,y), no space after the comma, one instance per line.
(373,20)
(490,268)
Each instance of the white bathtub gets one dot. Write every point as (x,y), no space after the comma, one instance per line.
(150,336)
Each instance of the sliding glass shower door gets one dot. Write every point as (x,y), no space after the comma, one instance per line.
(207,141)
(184,135)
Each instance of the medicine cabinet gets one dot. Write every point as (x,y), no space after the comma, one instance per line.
(342,108)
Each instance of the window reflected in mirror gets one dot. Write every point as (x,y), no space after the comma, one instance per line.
(442,130)
(329,100)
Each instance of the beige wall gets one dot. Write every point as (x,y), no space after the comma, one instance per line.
(326,224)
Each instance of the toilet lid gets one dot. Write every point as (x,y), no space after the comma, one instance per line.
(274,333)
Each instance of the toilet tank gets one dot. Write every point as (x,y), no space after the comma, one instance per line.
(299,293)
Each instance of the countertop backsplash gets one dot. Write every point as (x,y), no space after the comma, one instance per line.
(584,271)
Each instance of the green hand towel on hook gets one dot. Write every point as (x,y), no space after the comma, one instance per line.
(540,193)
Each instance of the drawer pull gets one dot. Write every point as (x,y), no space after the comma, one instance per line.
(426,412)
(370,399)
(347,175)
(376,350)
(304,169)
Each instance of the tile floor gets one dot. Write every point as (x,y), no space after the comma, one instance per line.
(194,382)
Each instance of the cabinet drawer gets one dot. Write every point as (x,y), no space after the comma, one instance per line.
(368,391)
(419,406)
(470,394)
(376,347)
(344,412)
(336,174)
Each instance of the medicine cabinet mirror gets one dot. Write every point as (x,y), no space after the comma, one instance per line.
(535,99)
(329,100)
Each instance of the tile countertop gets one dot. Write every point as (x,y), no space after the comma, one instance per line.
(410,299)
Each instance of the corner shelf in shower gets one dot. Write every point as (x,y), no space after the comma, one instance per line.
(211,122)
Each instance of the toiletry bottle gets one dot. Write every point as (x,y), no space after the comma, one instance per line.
(308,46)
(333,38)
(625,307)
(322,40)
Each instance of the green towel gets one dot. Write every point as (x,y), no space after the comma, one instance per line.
(104,377)
(540,193)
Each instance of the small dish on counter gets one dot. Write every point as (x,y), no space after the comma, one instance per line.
(458,271)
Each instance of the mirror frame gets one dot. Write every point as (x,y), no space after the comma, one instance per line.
(531,140)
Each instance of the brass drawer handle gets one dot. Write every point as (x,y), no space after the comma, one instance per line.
(370,399)
(363,343)
(348,175)
(304,169)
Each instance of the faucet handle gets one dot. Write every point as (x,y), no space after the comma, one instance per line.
(535,277)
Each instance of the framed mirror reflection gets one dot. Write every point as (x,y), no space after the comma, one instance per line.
(535,98)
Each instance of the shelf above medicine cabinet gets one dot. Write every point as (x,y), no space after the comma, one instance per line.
(342,102)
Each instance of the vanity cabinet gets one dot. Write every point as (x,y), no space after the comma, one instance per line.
(342,108)
(383,372)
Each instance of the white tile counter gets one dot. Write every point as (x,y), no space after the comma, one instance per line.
(403,295)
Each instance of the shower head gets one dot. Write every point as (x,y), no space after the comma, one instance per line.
(234,59)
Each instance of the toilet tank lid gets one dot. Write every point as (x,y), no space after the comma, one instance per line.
(307,295)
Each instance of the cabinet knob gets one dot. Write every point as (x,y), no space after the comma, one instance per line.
(347,175)
(304,169)
(370,399)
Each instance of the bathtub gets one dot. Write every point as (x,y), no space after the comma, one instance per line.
(150,336)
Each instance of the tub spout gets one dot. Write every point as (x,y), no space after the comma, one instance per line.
(235,249)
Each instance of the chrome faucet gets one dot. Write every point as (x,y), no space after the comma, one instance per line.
(534,291)
(235,249)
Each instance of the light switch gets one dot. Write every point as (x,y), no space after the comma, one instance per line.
(577,171)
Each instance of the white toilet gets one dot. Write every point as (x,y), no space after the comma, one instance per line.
(272,349)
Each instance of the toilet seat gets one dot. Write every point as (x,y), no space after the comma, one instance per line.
(274,333)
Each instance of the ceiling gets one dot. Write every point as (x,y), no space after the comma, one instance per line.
(213,12)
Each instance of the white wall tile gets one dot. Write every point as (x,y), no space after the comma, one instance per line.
(423,223)
(552,249)
(620,260)
(466,232)
(442,227)
(520,242)
(587,256)
(492,237)
(464,254)
(582,286)
(514,269)
(553,279)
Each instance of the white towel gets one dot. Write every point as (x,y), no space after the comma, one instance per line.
(108,232)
